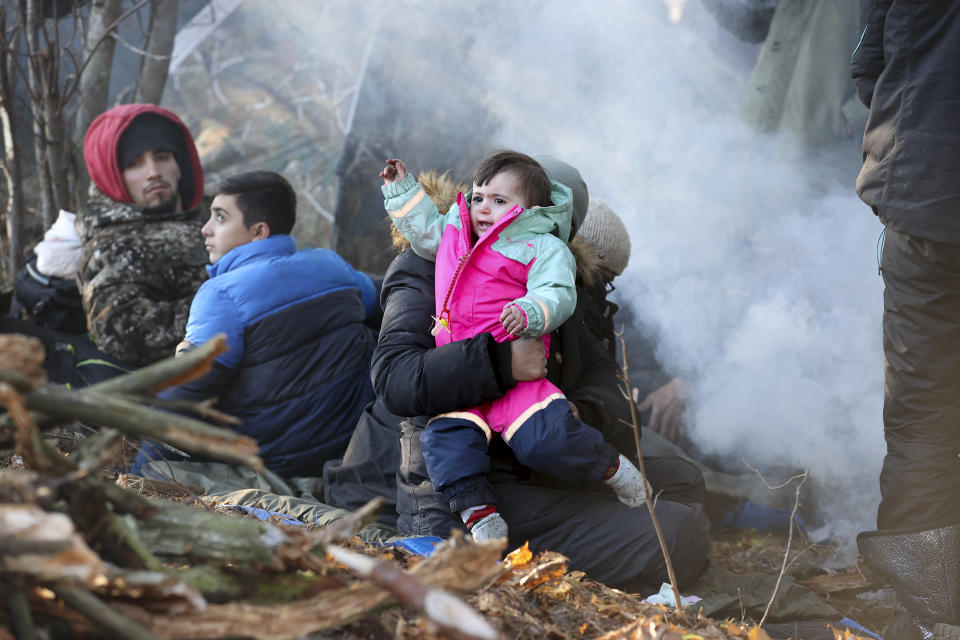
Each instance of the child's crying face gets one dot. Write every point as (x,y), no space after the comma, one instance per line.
(492,201)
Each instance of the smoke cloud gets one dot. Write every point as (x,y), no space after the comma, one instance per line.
(754,262)
(753,259)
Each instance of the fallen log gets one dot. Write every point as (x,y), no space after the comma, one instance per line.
(291,588)
(180,532)
(451,615)
(457,565)
(104,409)
(106,616)
(134,419)
(168,372)
(146,381)
(45,547)
(20,616)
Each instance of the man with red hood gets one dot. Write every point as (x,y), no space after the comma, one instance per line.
(143,254)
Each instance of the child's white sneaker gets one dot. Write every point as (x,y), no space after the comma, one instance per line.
(627,483)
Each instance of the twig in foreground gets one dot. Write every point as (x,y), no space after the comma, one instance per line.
(651,505)
(783,567)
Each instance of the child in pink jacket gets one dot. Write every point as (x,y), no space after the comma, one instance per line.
(503,266)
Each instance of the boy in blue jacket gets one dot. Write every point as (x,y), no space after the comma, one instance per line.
(301,327)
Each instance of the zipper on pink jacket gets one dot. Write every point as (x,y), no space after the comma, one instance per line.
(441,321)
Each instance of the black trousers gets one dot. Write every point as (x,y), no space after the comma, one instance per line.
(920,479)
(607,540)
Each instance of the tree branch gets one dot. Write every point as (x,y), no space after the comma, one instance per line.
(651,506)
(786,553)
(116,624)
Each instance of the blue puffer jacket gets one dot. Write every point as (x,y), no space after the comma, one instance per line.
(298,370)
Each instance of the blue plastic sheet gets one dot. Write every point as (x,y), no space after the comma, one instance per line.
(752,515)
(263,514)
(422,546)
(853,624)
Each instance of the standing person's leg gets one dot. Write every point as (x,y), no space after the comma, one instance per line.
(920,480)
(917,542)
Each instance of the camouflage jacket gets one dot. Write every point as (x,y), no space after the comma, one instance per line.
(138,275)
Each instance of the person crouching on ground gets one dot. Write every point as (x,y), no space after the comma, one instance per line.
(143,257)
(503,266)
(298,369)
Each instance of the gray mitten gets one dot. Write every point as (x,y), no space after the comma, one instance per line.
(489,527)
(628,484)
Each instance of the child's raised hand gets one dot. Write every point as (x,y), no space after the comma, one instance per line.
(513,320)
(395,170)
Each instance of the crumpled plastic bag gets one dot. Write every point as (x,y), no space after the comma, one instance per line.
(58,254)
(665,597)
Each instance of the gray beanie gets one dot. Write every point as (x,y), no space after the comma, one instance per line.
(568,175)
(605,232)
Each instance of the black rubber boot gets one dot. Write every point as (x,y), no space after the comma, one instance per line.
(924,567)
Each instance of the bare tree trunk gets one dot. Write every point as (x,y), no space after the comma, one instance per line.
(156,62)
(37,94)
(55,135)
(98,52)
(11,160)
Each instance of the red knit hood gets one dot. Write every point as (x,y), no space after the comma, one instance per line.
(100,151)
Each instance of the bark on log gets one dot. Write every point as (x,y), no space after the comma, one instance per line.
(96,449)
(453,616)
(113,536)
(150,379)
(182,532)
(89,500)
(134,419)
(20,614)
(112,621)
(187,434)
(166,372)
(459,566)
(45,547)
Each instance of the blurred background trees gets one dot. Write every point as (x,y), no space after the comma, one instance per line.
(60,66)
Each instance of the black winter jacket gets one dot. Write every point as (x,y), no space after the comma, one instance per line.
(907,70)
(605,539)
(415,379)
